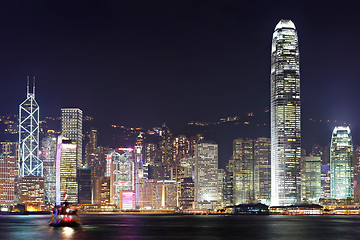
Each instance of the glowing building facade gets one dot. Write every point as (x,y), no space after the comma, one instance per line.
(48,156)
(29,162)
(120,169)
(206,174)
(67,171)
(311,179)
(341,164)
(285,115)
(7,179)
(71,128)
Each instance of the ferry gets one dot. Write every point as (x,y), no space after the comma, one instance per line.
(65,216)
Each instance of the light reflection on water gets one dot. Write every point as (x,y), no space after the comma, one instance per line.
(184,227)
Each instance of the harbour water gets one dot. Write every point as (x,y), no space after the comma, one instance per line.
(184,227)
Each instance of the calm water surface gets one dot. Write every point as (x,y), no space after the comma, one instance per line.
(184,227)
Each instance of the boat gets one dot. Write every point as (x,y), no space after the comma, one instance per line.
(65,216)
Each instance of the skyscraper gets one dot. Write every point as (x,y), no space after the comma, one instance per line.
(311,179)
(48,156)
(341,163)
(67,170)
(205,174)
(285,115)
(29,162)
(71,128)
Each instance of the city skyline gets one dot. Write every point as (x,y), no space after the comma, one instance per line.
(160,68)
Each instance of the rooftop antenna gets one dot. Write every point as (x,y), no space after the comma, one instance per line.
(34,86)
(27,86)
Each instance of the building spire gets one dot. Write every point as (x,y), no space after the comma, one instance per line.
(27,86)
(33,86)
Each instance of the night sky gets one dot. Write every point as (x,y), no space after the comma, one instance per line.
(141,63)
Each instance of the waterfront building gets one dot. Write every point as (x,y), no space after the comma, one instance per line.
(121,172)
(84,185)
(48,157)
(311,179)
(31,189)
(285,115)
(205,174)
(187,189)
(159,194)
(356,157)
(71,128)
(244,171)
(7,179)
(341,163)
(221,177)
(325,182)
(66,175)
(105,191)
(262,178)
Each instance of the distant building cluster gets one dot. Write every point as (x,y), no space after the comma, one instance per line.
(159,170)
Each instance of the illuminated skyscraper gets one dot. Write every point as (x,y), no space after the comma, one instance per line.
(262,178)
(311,179)
(244,170)
(341,163)
(67,171)
(48,156)
(120,169)
(205,174)
(285,115)
(7,179)
(71,127)
(29,162)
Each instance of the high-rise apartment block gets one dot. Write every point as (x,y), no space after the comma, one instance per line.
(285,115)
(71,128)
(341,163)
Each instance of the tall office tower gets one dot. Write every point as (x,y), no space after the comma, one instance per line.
(166,151)
(285,115)
(311,179)
(221,177)
(205,174)
(11,149)
(325,182)
(186,199)
(120,169)
(181,149)
(31,190)
(159,194)
(7,179)
(245,171)
(66,176)
(262,158)
(139,175)
(228,195)
(29,162)
(48,156)
(85,186)
(341,163)
(71,128)
(356,172)
(91,148)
